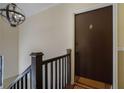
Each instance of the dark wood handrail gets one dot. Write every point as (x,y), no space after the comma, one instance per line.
(20,76)
(52,59)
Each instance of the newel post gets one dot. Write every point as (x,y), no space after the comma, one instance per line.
(69,66)
(36,75)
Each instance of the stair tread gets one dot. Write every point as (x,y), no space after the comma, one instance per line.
(83,85)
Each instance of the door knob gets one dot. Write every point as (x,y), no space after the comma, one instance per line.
(91,26)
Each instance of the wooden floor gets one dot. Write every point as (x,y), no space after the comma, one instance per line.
(81,86)
(78,86)
(85,83)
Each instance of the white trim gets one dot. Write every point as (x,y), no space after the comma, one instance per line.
(115,46)
(115,50)
(94,7)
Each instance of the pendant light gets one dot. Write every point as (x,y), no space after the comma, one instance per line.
(13,14)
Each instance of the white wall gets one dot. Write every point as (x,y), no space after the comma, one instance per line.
(50,32)
(9,48)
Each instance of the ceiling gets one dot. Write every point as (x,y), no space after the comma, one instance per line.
(31,8)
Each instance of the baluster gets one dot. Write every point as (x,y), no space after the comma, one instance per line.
(22,83)
(30,80)
(26,82)
(65,71)
(46,77)
(59,73)
(42,76)
(51,75)
(14,86)
(68,70)
(56,74)
(17,84)
(62,73)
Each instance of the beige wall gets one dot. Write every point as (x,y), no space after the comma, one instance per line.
(9,48)
(121,69)
(51,32)
(121,25)
(121,44)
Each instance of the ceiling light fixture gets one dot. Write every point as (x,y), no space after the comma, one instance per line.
(13,14)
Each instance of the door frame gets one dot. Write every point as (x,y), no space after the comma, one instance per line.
(115,47)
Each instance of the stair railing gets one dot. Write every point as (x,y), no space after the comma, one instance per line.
(52,73)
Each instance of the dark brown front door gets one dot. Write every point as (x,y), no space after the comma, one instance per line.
(94,44)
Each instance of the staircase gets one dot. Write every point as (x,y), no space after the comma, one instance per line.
(54,73)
